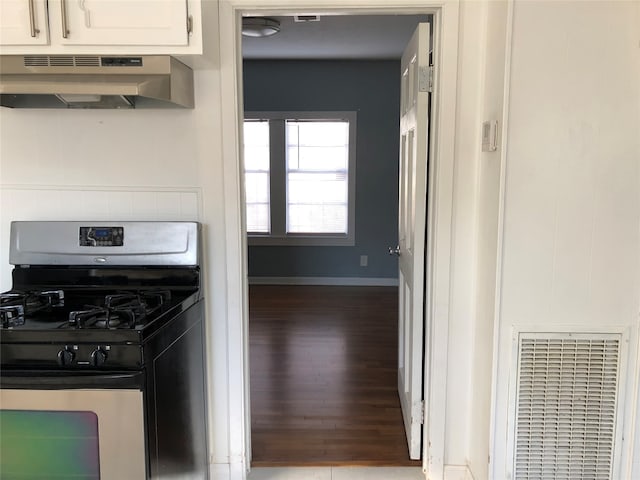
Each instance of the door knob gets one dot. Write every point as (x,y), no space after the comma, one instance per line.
(394,250)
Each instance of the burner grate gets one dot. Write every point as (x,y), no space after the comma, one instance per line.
(14,306)
(120,310)
(11,315)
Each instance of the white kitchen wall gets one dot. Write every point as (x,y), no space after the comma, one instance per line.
(146,164)
(96,164)
(571,258)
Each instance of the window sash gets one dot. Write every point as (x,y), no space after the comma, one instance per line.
(257,155)
(323,162)
(317,176)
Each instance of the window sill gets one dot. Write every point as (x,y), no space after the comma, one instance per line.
(301,240)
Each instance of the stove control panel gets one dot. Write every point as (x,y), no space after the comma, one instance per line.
(101,236)
(72,356)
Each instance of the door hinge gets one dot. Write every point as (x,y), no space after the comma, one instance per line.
(422,413)
(425,79)
(189,24)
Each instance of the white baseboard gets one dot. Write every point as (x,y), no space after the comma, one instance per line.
(341,281)
(457,472)
(226,471)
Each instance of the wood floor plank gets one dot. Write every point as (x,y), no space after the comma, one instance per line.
(324,376)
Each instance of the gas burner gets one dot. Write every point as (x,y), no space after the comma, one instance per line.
(129,303)
(119,310)
(100,317)
(156,298)
(15,305)
(11,316)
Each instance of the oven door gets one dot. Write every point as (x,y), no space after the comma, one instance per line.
(62,425)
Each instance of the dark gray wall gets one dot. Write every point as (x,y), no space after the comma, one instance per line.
(372,89)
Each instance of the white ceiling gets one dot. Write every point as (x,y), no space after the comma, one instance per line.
(348,37)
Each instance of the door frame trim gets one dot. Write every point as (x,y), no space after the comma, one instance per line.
(439,215)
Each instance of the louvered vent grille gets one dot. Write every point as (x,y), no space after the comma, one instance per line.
(36,61)
(566,408)
(87,61)
(61,61)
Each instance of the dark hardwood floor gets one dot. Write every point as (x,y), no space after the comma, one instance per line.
(323,376)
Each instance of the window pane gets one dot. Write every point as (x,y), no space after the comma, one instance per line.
(256,158)
(258,218)
(317,219)
(318,158)
(317,176)
(313,188)
(257,187)
(320,134)
(256,145)
(256,169)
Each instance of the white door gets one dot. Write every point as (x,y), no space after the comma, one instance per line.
(23,22)
(414,128)
(119,22)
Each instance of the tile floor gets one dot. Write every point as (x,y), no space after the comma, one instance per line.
(336,473)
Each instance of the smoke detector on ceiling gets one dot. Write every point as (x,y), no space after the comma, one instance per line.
(259,27)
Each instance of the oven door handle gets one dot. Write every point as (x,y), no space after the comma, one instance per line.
(61,380)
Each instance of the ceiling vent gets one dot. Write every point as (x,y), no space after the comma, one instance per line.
(306,18)
(566,406)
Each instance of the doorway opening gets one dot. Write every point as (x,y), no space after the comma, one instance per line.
(446,16)
(304,343)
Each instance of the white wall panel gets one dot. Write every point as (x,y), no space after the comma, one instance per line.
(571,226)
(571,204)
(99,147)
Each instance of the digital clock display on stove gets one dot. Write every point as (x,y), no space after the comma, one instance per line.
(101,236)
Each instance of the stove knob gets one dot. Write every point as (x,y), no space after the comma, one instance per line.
(98,357)
(65,356)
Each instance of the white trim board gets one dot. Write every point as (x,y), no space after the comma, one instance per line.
(338,281)
(457,472)
(236,446)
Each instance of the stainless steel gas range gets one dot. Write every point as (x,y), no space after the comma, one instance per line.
(102,372)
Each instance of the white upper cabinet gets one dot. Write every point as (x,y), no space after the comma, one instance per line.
(100,26)
(120,22)
(24,22)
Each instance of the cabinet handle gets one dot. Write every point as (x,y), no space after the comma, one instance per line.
(32,20)
(63,10)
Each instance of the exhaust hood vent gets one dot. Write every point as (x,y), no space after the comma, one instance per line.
(61,61)
(68,81)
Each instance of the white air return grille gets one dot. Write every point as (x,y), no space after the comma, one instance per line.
(566,407)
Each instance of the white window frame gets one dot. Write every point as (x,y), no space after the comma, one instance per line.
(278,175)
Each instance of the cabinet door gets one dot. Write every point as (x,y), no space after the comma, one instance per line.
(120,22)
(23,22)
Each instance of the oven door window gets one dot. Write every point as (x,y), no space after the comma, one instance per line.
(49,444)
(79,434)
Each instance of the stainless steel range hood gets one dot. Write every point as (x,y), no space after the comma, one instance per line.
(67,81)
